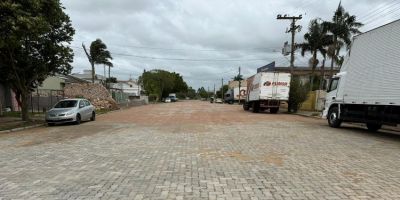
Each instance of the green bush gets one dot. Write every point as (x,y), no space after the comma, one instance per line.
(297,94)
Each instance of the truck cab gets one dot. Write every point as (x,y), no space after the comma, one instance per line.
(333,100)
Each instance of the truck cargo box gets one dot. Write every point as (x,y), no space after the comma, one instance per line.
(371,71)
(268,86)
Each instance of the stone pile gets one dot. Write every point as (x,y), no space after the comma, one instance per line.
(97,94)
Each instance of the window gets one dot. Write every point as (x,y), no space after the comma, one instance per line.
(66,104)
(333,85)
(81,104)
(87,103)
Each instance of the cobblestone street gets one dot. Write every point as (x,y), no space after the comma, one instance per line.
(198,150)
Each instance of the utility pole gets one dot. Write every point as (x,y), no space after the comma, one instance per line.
(292,29)
(214,91)
(239,88)
(222,89)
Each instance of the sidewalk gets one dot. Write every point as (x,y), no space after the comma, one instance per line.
(10,124)
(314,114)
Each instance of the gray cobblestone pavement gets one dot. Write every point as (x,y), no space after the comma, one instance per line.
(197,150)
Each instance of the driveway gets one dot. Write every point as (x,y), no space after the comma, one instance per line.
(198,150)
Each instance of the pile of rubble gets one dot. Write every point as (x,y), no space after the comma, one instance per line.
(97,94)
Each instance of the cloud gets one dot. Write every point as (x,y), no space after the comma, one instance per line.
(140,32)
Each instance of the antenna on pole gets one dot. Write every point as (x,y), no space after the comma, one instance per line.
(293,29)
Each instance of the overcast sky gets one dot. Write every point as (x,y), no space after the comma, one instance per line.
(203,40)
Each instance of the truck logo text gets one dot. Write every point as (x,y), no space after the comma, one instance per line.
(268,83)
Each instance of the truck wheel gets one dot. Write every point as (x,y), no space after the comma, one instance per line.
(373,127)
(333,118)
(256,107)
(274,110)
(246,106)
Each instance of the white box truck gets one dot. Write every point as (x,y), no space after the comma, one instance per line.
(266,90)
(234,95)
(367,88)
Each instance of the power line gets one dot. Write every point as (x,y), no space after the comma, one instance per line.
(183,59)
(178,49)
(374,11)
(389,11)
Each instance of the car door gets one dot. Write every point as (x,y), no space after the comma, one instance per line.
(89,109)
(82,110)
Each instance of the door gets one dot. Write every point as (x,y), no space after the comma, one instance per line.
(331,96)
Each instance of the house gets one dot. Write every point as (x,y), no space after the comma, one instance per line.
(87,75)
(129,87)
(235,84)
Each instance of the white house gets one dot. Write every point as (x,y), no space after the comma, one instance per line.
(130,87)
(87,75)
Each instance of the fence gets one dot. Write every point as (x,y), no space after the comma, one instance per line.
(43,100)
(119,96)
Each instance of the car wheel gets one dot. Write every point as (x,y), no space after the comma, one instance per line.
(373,126)
(78,119)
(50,124)
(93,116)
(333,118)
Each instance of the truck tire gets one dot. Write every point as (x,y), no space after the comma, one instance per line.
(256,107)
(274,110)
(333,117)
(246,106)
(373,126)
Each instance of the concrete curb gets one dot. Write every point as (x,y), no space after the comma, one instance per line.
(304,115)
(21,128)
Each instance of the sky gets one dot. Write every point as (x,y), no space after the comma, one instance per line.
(203,40)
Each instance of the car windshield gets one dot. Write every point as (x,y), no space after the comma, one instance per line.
(66,104)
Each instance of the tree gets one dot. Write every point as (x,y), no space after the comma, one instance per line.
(98,54)
(224,89)
(316,40)
(238,77)
(160,83)
(191,93)
(297,94)
(111,80)
(34,39)
(202,92)
(342,26)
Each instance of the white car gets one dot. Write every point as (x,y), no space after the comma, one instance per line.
(218,100)
(71,110)
(167,100)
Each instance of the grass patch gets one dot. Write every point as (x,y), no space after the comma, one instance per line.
(18,124)
(17,114)
(102,111)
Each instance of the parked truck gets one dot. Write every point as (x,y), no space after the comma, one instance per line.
(367,88)
(266,90)
(232,95)
(172,96)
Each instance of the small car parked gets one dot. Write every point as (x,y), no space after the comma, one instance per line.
(71,110)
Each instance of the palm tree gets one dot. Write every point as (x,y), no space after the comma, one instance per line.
(98,54)
(239,77)
(343,26)
(316,40)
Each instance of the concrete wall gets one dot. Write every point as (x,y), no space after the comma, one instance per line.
(315,101)
(52,83)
